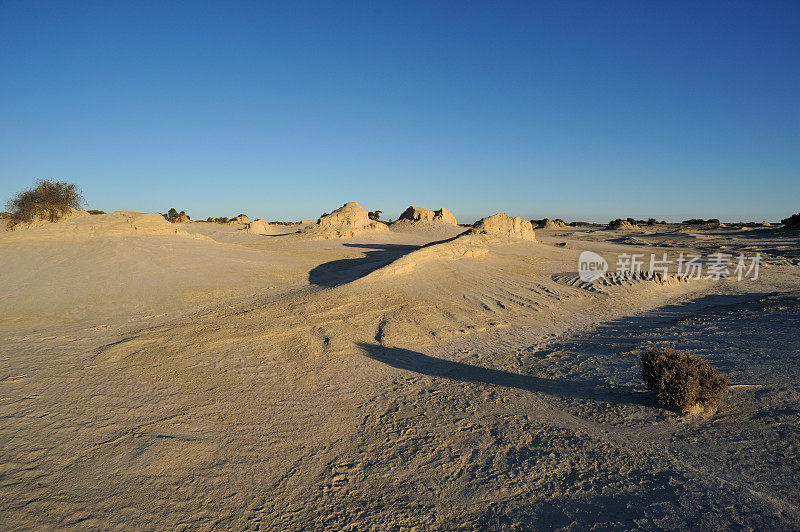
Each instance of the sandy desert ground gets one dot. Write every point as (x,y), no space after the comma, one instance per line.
(208,377)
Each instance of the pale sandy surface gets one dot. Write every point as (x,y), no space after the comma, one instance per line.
(217,379)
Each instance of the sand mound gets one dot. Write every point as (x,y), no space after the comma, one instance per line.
(258,226)
(621,224)
(503,224)
(421,214)
(345,222)
(118,223)
(547,223)
(241,219)
(42,221)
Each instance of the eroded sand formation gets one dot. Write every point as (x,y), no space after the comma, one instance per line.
(547,223)
(620,224)
(503,224)
(421,214)
(258,226)
(347,221)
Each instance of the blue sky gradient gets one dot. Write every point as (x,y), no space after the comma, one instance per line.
(578,110)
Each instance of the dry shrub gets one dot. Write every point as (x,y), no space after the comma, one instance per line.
(95,211)
(176,217)
(792,221)
(48,201)
(681,380)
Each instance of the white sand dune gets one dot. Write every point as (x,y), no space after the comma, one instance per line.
(395,378)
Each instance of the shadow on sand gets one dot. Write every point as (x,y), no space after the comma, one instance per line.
(343,271)
(458,371)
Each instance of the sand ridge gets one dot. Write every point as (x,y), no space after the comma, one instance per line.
(81,224)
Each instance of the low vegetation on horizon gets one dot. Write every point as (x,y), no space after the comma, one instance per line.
(700,221)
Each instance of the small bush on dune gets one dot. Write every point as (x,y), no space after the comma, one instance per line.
(95,211)
(49,200)
(682,381)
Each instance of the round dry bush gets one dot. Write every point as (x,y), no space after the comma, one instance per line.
(682,381)
(49,201)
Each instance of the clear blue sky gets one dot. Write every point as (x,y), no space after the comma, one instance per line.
(579,110)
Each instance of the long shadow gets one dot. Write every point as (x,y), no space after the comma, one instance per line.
(343,271)
(458,371)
